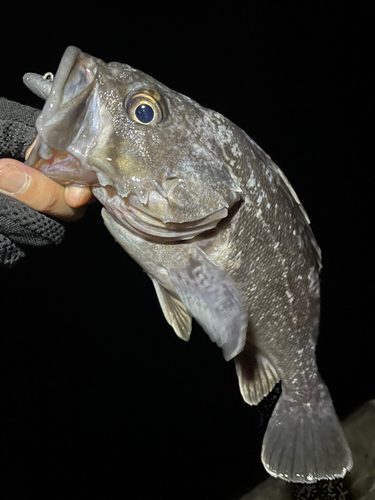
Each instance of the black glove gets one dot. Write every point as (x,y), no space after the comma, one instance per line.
(20,224)
(17,128)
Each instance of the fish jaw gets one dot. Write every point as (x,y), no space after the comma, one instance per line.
(67,107)
(129,214)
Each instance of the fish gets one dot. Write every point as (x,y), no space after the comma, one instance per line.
(217,227)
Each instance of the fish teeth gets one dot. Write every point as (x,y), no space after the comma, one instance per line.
(159,189)
(142,195)
(45,151)
(103,180)
(170,175)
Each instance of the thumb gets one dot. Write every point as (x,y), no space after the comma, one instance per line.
(33,188)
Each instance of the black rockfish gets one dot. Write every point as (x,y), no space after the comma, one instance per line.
(217,227)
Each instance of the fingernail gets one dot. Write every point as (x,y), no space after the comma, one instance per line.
(13,180)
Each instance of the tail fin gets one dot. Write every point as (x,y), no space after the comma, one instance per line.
(304,442)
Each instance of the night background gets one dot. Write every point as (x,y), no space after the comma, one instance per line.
(99,397)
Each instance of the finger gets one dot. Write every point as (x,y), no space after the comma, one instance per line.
(30,186)
(30,148)
(78,196)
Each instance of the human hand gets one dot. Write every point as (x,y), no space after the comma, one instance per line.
(26,194)
(23,183)
(33,188)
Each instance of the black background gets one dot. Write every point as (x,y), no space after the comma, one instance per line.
(99,397)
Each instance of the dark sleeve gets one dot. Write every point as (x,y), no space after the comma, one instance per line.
(17,128)
(20,225)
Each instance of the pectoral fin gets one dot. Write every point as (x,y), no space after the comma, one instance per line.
(211,298)
(174,311)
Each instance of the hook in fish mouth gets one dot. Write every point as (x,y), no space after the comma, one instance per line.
(40,85)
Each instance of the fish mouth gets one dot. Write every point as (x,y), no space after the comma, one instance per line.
(149,227)
(60,166)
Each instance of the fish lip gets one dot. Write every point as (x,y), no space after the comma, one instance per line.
(150,227)
(66,64)
(66,105)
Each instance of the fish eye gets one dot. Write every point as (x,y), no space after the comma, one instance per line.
(144,108)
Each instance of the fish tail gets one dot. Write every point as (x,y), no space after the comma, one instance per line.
(304,441)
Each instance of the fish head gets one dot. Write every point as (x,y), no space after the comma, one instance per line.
(153,157)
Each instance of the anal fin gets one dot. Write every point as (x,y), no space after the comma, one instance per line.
(256,375)
(174,311)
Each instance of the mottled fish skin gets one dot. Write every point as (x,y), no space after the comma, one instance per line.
(219,230)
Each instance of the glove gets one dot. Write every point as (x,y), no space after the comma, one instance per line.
(20,224)
(17,128)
